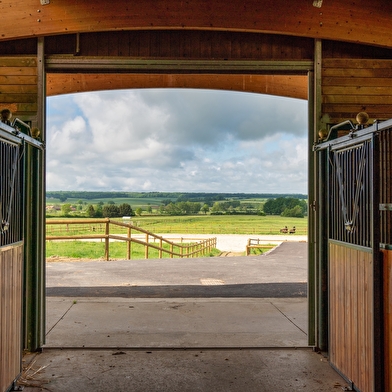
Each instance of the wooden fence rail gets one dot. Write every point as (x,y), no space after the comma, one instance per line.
(256,243)
(108,229)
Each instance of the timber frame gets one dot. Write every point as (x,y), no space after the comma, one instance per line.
(322,51)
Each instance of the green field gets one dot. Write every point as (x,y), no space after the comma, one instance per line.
(220,224)
(206,224)
(235,223)
(200,224)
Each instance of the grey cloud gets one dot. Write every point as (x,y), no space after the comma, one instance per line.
(206,116)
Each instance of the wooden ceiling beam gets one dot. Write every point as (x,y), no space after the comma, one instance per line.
(361,21)
(280,85)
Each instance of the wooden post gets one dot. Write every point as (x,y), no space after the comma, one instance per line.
(146,248)
(171,250)
(160,248)
(129,249)
(106,239)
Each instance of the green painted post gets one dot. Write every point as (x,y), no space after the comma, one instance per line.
(34,252)
(311,218)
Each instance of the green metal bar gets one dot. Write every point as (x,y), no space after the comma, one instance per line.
(27,268)
(320,268)
(311,217)
(323,259)
(34,257)
(34,227)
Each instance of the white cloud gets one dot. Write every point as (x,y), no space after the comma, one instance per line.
(177,140)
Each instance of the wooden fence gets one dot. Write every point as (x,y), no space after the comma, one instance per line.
(108,229)
(256,243)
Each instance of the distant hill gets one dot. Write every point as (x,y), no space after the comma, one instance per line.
(179,196)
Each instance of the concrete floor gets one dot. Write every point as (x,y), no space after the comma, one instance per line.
(124,329)
(186,370)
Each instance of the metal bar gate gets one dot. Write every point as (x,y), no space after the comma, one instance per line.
(359,168)
(11,261)
(21,256)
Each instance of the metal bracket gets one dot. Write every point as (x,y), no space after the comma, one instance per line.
(45,2)
(350,387)
(4,225)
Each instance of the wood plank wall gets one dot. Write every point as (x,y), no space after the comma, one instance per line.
(387,266)
(18,86)
(184,44)
(350,86)
(351,314)
(11,259)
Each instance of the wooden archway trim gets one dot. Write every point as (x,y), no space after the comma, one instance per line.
(334,20)
(292,86)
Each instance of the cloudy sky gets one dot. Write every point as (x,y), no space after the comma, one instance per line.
(176,140)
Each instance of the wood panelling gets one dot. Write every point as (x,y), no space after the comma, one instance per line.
(387,264)
(350,86)
(183,45)
(11,259)
(18,86)
(351,314)
(337,20)
(281,85)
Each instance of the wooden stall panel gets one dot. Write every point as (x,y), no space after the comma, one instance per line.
(350,86)
(351,314)
(387,254)
(10,314)
(18,86)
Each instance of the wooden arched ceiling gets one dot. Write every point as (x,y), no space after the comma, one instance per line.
(292,86)
(338,20)
(361,21)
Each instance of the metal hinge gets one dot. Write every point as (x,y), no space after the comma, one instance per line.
(17,387)
(349,388)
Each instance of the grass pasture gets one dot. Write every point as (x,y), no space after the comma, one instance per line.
(221,224)
(199,224)
(203,224)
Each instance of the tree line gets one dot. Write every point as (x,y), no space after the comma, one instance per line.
(286,206)
(202,197)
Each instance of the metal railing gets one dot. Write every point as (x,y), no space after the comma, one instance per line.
(10,193)
(100,229)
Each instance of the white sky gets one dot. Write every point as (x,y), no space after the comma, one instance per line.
(176,140)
